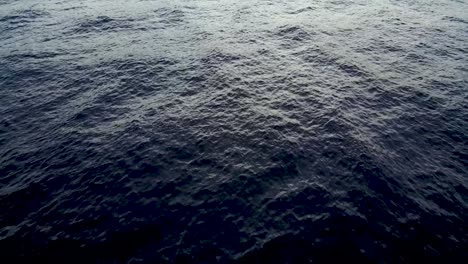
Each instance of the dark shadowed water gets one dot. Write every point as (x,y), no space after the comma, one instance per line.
(234,131)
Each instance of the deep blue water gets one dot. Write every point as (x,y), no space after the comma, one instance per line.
(234,131)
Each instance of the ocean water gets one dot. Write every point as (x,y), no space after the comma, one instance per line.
(197,131)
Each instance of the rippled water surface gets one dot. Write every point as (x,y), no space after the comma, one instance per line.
(233,131)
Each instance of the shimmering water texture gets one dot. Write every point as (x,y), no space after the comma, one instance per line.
(234,131)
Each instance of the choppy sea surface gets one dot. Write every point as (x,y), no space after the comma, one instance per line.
(233,131)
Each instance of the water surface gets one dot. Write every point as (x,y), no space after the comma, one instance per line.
(233,131)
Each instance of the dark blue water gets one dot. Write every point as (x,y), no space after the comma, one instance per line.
(234,131)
